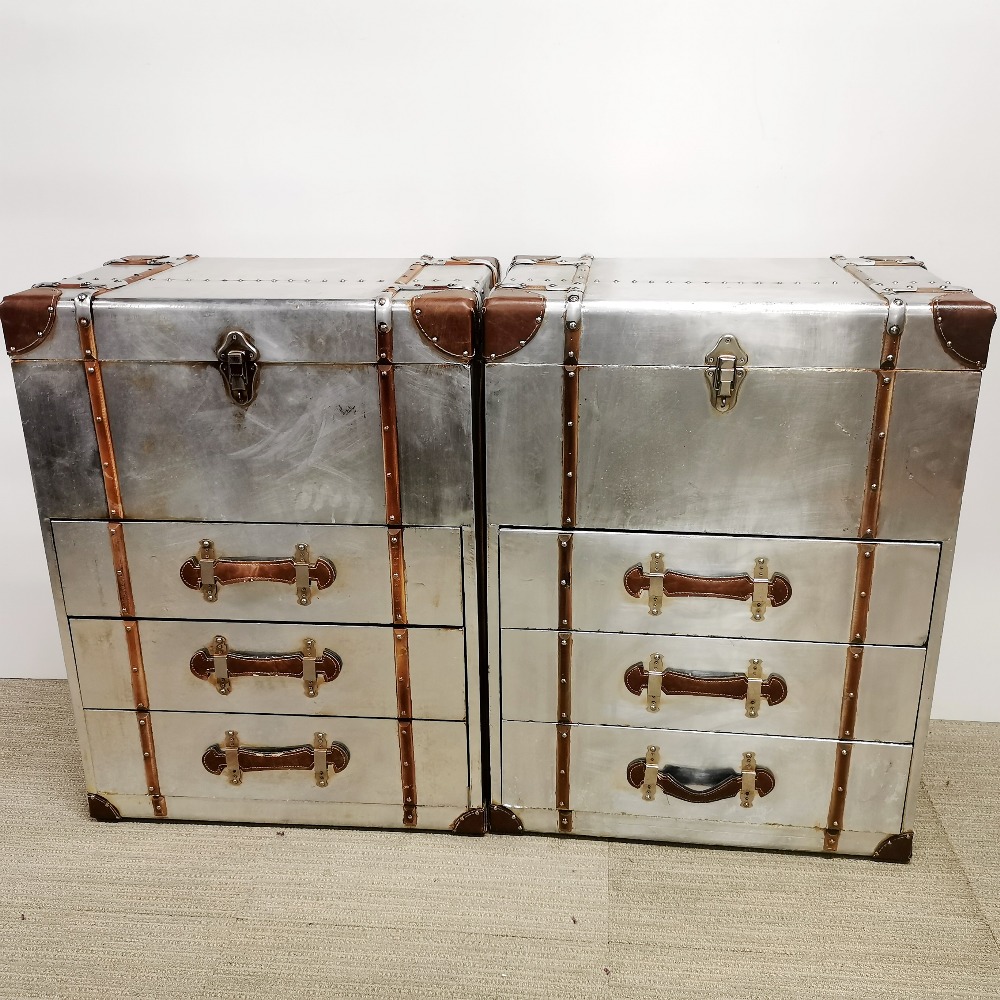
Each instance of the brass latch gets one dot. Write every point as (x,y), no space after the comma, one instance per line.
(654,683)
(232,749)
(748,772)
(651,774)
(309,677)
(657,569)
(761,583)
(206,563)
(303,590)
(238,362)
(220,664)
(321,769)
(755,678)
(725,373)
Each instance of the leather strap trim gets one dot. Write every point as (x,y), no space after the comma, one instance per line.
(564,687)
(679,682)
(401,657)
(720,784)
(390,443)
(471,823)
(500,819)
(878,443)
(964,323)
(897,848)
(300,758)
(101,809)
(446,319)
(28,318)
(322,572)
(570,442)
(563,739)
(137,669)
(838,797)
(243,664)
(511,318)
(737,588)
(565,600)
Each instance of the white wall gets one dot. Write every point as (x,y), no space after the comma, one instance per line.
(646,128)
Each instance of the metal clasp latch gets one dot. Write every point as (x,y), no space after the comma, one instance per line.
(206,564)
(651,774)
(220,661)
(321,769)
(309,668)
(748,769)
(656,572)
(761,585)
(725,373)
(755,678)
(654,682)
(232,749)
(303,587)
(238,359)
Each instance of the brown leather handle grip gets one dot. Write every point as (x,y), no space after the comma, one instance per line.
(773,688)
(700,784)
(735,588)
(299,758)
(328,666)
(321,572)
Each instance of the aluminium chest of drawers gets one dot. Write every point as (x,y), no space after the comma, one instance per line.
(704,513)
(255,479)
(722,499)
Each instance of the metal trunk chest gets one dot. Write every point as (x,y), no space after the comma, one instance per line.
(256,482)
(722,498)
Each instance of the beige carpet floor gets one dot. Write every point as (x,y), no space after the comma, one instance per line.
(92,910)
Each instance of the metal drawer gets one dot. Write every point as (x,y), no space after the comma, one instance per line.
(806,586)
(372,773)
(261,668)
(802,770)
(706,684)
(360,592)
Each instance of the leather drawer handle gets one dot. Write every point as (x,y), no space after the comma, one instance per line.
(698,784)
(233,760)
(660,582)
(751,687)
(218,664)
(206,573)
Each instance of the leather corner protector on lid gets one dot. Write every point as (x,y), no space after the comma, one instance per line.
(964,323)
(897,848)
(101,809)
(504,820)
(446,319)
(471,823)
(512,317)
(28,318)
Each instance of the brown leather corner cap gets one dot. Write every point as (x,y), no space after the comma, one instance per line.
(512,317)
(446,319)
(964,323)
(28,317)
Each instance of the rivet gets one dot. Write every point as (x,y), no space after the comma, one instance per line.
(572,326)
(886,380)
(894,330)
(569,374)
(857,635)
(868,554)
(881,435)
(569,475)
(843,753)
(874,486)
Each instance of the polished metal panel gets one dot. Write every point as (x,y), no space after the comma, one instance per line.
(59,435)
(803,771)
(928,452)
(366,685)
(360,593)
(372,776)
(308,449)
(821,572)
(814,673)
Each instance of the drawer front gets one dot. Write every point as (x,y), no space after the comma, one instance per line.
(263,668)
(600,759)
(372,773)
(705,684)
(810,597)
(360,591)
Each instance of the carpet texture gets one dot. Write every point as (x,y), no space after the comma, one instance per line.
(91,910)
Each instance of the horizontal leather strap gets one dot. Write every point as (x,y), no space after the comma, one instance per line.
(276,758)
(227,571)
(328,666)
(720,783)
(773,687)
(736,588)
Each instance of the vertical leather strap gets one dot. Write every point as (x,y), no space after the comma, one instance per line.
(137,671)
(401,656)
(565,601)
(886,382)
(390,443)
(572,329)
(564,691)
(562,779)
(863,578)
